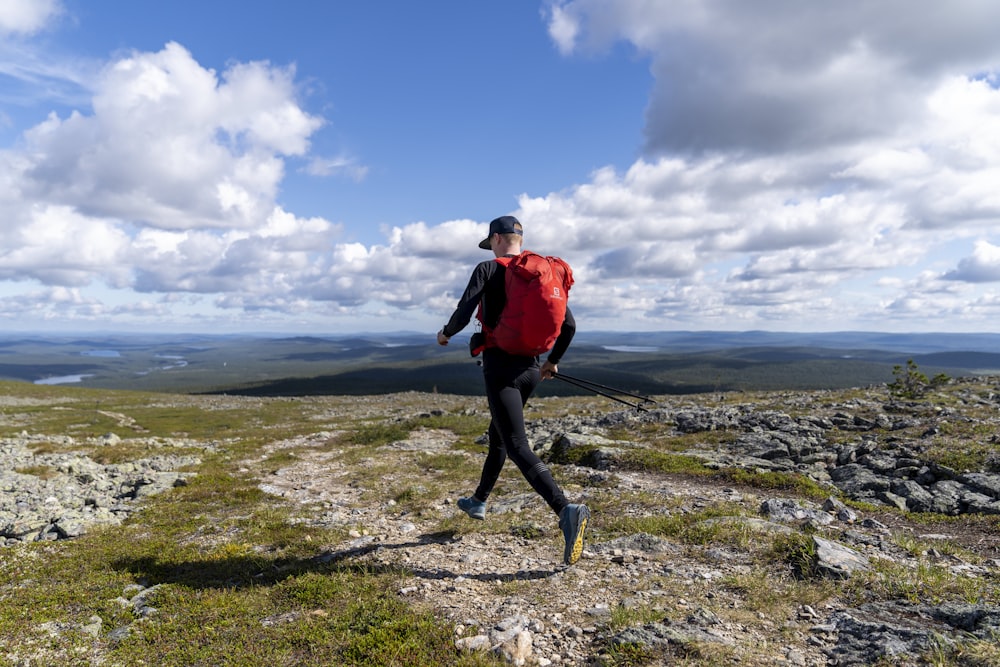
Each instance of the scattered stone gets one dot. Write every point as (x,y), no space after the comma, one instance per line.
(793,511)
(837,561)
(508,593)
(76,492)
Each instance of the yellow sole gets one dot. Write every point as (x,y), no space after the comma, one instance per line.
(578,545)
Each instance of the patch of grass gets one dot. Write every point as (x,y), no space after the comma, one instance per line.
(971,456)
(42,448)
(650,460)
(690,527)
(918,547)
(759,592)
(386,432)
(40,471)
(974,653)
(414,498)
(927,582)
(379,433)
(125,451)
(628,654)
(282,458)
(776,481)
(626,617)
(527,530)
(798,550)
(460,425)
(448,466)
(654,434)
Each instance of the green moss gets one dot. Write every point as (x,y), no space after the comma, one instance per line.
(777,481)
(649,460)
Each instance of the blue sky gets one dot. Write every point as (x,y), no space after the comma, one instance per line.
(330,167)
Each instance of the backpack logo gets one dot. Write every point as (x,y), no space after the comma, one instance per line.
(537,289)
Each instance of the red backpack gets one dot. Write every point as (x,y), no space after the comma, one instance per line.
(537,290)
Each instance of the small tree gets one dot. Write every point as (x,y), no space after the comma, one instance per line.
(911,383)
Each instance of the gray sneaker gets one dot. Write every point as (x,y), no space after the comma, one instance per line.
(573,522)
(474,508)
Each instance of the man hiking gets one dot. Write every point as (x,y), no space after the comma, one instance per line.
(511,378)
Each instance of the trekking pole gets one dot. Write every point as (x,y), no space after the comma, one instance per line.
(583,384)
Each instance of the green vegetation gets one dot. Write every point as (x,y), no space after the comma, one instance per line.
(241,577)
(911,383)
(316,366)
(777,481)
(240,580)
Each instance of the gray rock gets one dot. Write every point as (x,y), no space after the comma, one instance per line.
(918,499)
(862,642)
(890,498)
(947,497)
(473,643)
(81,494)
(590,451)
(837,561)
(858,481)
(665,634)
(979,620)
(984,483)
(789,510)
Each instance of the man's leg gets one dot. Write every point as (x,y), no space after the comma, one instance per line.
(507,405)
(495,458)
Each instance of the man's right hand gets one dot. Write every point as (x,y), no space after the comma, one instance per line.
(442,339)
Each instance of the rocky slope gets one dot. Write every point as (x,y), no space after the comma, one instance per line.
(888,549)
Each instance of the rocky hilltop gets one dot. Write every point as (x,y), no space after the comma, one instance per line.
(799,528)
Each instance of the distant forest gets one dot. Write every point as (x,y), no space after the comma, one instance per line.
(641,363)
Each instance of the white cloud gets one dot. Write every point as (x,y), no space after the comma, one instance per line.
(56,246)
(733,75)
(982,267)
(337,166)
(172,146)
(813,153)
(168,185)
(806,166)
(27,16)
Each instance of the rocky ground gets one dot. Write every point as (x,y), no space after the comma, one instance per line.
(511,594)
(638,597)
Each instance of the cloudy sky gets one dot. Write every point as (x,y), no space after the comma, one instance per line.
(308,167)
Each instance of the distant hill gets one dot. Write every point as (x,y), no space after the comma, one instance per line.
(639,362)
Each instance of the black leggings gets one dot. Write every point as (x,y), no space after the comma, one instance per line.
(510,381)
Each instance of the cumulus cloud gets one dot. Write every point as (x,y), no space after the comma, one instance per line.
(982,267)
(167,185)
(27,16)
(809,152)
(172,144)
(803,165)
(732,75)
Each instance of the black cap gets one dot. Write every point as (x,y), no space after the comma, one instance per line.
(505,224)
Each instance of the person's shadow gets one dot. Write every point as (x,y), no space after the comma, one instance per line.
(256,570)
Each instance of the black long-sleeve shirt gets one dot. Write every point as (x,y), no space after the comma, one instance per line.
(487,285)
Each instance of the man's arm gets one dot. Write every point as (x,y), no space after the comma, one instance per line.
(551,365)
(468,303)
